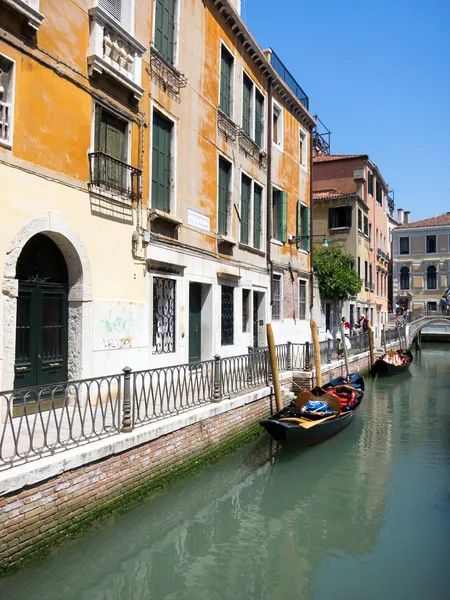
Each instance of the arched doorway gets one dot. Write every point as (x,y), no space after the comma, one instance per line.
(42,314)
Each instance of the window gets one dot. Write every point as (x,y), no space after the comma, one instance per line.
(164,311)
(259,118)
(431,244)
(303,226)
(340,216)
(366,226)
(404,278)
(302,299)
(303,149)
(279,207)
(246,186)
(404,245)
(379,290)
(257,212)
(370,277)
(277,125)
(276,306)
(245,309)
(379,194)
(111,151)
(370,235)
(366,269)
(227,316)
(247,93)
(226,74)
(359,219)
(359,266)
(113,7)
(432,306)
(6,100)
(370,183)
(161,162)
(164,28)
(377,239)
(358,313)
(224,196)
(431,278)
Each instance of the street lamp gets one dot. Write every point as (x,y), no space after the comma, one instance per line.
(296,239)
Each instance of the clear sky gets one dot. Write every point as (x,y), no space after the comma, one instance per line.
(378,75)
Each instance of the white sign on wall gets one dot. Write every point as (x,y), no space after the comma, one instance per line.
(195,219)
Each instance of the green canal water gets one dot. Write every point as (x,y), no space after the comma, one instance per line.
(365,516)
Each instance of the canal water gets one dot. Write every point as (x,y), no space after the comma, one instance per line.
(364,516)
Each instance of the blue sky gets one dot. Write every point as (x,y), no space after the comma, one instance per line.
(378,75)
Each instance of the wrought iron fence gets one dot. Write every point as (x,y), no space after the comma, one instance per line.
(114,175)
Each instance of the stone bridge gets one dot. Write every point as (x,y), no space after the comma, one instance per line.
(419,319)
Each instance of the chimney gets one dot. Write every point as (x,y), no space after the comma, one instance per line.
(407,215)
(400,216)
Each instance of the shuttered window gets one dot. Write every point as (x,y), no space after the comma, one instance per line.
(370,183)
(259,118)
(114,7)
(379,193)
(247,92)
(257,213)
(110,134)
(359,219)
(303,227)
(224,185)
(339,216)
(226,70)
(246,187)
(165,28)
(366,226)
(278,217)
(161,162)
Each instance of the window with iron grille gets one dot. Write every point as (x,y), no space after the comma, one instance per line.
(164,311)
(301,299)
(276,306)
(245,310)
(161,162)
(165,28)
(246,186)
(6,100)
(224,195)
(227,316)
(404,278)
(404,245)
(226,74)
(370,183)
(257,213)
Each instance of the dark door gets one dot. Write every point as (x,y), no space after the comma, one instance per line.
(327,316)
(195,322)
(255,320)
(42,315)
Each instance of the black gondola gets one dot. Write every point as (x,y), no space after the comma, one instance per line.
(292,426)
(381,366)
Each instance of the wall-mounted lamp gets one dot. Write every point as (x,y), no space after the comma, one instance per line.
(296,239)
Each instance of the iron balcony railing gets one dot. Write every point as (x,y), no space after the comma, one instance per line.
(289,79)
(5,121)
(251,149)
(226,126)
(115,176)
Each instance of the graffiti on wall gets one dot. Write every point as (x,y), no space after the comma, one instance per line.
(119,325)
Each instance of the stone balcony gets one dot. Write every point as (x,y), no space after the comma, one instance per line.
(115,52)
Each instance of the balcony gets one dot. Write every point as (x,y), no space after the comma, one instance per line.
(288,79)
(5,123)
(369,285)
(115,52)
(115,177)
(28,10)
(166,76)
(226,127)
(251,150)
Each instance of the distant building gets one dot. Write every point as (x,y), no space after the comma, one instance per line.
(421,261)
(354,206)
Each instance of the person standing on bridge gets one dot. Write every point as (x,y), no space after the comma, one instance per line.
(444,305)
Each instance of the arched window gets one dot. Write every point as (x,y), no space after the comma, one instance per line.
(404,278)
(431,278)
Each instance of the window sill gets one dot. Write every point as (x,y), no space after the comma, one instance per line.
(160,214)
(339,229)
(251,249)
(306,252)
(277,146)
(6,144)
(223,239)
(276,242)
(33,17)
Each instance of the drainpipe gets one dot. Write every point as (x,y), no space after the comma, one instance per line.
(269,190)
(311,222)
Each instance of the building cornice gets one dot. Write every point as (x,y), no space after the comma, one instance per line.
(435,229)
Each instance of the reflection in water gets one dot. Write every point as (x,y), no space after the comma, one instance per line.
(323,522)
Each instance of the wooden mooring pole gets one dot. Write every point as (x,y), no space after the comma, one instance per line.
(344,348)
(316,346)
(274,367)
(371,350)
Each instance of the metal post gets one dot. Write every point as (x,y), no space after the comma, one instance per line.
(307,356)
(250,365)
(217,393)
(289,356)
(329,351)
(126,408)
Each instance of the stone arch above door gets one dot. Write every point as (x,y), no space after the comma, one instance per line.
(79,295)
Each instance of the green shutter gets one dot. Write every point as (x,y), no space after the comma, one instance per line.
(272,197)
(331,213)
(257,206)
(224,173)
(246,104)
(359,219)
(348,216)
(282,216)
(307,228)
(245,206)
(259,117)
(299,223)
(161,157)
(226,64)
(165,28)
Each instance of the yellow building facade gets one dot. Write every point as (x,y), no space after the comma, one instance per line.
(138,148)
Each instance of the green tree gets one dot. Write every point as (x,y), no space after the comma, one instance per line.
(335,273)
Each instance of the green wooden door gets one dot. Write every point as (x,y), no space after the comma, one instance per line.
(195,322)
